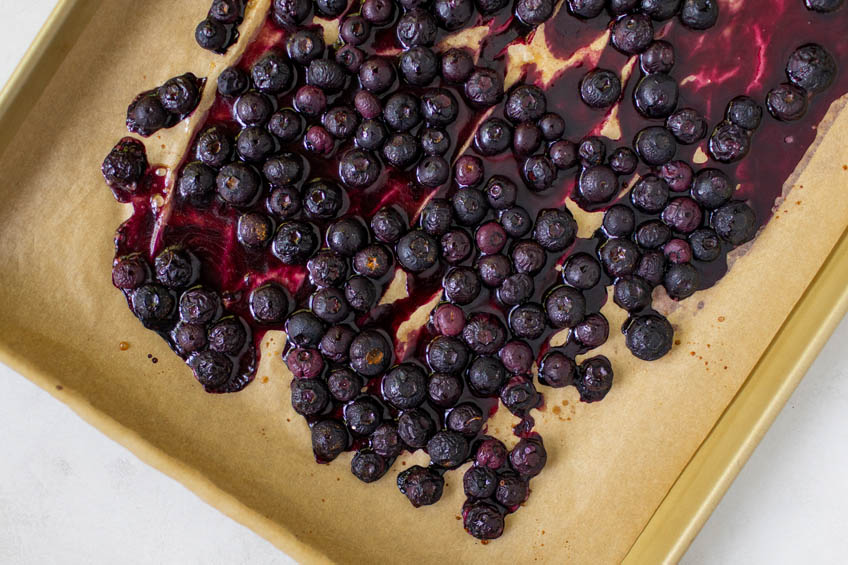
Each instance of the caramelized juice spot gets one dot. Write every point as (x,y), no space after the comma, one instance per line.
(721,318)
(123,346)
(264,380)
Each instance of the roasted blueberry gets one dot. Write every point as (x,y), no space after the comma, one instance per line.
(336,343)
(271,73)
(486,375)
(600,88)
(493,136)
(519,395)
(525,103)
(557,370)
(125,165)
(446,355)
(683,215)
(632,33)
(416,27)
(528,257)
(288,13)
(309,397)
(322,199)
(494,269)
(354,30)
(254,144)
(479,482)
(444,389)
(552,126)
(565,307)
(490,453)
(180,95)
(729,143)
(538,172)
(744,112)
(421,486)
(593,331)
(650,194)
(489,7)
(516,289)
(527,320)
(377,74)
(340,121)
(595,379)
(435,141)
(226,11)
(711,188)
(655,145)
(370,353)
(687,126)
(534,12)
(417,251)
(254,230)
(358,168)
(469,206)
(329,439)
(146,115)
(305,45)
(238,184)
(597,184)
(484,334)
(360,293)
(619,257)
(152,304)
(632,293)
(174,267)
(327,269)
(811,67)
(448,449)
(461,285)
(526,139)
(402,111)
(448,319)
(405,386)
(363,415)
(656,95)
(457,65)
(346,237)
(528,457)
(229,336)
(490,238)
(388,225)
(651,267)
(484,87)
(284,169)
(368,105)
(585,8)
(401,150)
(516,221)
(678,174)
(284,202)
(658,57)
(652,234)
(372,261)
(453,14)
(368,466)
(787,102)
(699,14)
(310,101)
(618,7)
(648,337)
(253,109)
(212,35)
(269,304)
(377,12)
(439,107)
(823,5)
(660,9)
(735,222)
(330,8)
(468,171)
(130,271)
(483,520)
(188,338)
(563,154)
(386,441)
(196,183)
(294,242)
(210,368)
(619,221)
(554,229)
(415,427)
(705,244)
(286,125)
(436,216)
(582,271)
(199,306)
(678,251)
(512,490)
(326,74)
(370,135)
(500,192)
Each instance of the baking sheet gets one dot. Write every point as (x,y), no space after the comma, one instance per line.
(610,464)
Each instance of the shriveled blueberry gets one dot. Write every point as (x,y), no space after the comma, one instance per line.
(554,229)
(448,319)
(446,355)
(377,12)
(402,111)
(457,65)
(448,449)
(655,145)
(787,102)
(358,168)
(322,199)
(648,337)
(287,13)
(528,457)
(484,334)
(632,293)
(592,151)
(233,81)
(340,121)
(146,115)
(294,242)
(687,126)
(254,144)
(228,335)
(370,353)
(632,33)
(199,306)
(525,103)
(416,27)
(309,397)
(519,395)
(494,269)
(469,206)
(329,439)
(210,368)
(735,222)
(658,57)
(196,183)
(619,257)
(516,289)
(269,304)
(538,172)
(744,112)
(660,10)
(490,453)
(125,165)
(699,14)
(711,188)
(376,74)
(526,139)
(565,307)
(284,169)
(500,192)
(593,331)
(493,136)
(304,45)
(226,11)
(597,184)
(330,8)
(439,107)
(512,490)
(811,67)
(595,379)
(557,370)
(388,224)
(188,338)
(272,73)
(415,427)
(386,441)
(552,126)
(444,389)
(582,271)
(585,8)
(618,7)
(436,216)
(619,221)
(401,150)
(417,251)
(683,215)
(286,125)
(175,267)
(483,520)
(516,221)
(484,87)
(729,143)
(346,237)
(563,154)
(336,343)
(651,267)
(528,257)
(284,202)
(678,174)
(656,95)
(180,95)
(705,244)
(363,415)
(367,105)
(534,12)
(368,466)
(461,285)
(326,74)
(486,375)
(254,230)
(421,486)
(453,14)
(354,30)
(130,271)
(345,385)
(650,194)
(600,88)
(527,320)
(434,141)
(652,234)
(404,386)
(212,35)
(479,482)
(152,304)
(327,268)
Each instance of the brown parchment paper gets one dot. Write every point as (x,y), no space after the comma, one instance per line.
(610,463)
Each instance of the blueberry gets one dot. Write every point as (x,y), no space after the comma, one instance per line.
(595,379)
(565,307)
(271,73)
(519,395)
(448,319)
(618,7)
(416,27)
(484,87)
(331,8)
(486,375)
(288,13)
(453,14)
(711,188)
(373,261)
(528,257)
(376,74)
(527,320)
(528,457)
(363,415)
(582,271)
(468,171)
(439,107)
(489,7)
(305,45)
(593,331)
(552,126)
(210,368)
(516,289)
(360,293)
(493,136)
(619,257)
(386,441)
(448,449)
(368,105)
(212,35)
(130,271)
(377,12)
(619,221)
(660,9)
(729,143)
(419,65)
(512,490)
(490,238)
(238,184)
(326,75)
(597,184)
(683,215)
(479,482)
(269,304)
(354,30)
(534,12)
(490,453)
(417,251)
(525,103)
(678,251)
(146,115)
(324,199)
(678,174)
(526,139)
(368,466)
(516,221)
(232,82)
(501,192)
(175,268)
(650,194)
(444,389)
(180,95)
(446,355)
(655,145)
(404,386)
(484,334)
(229,336)
(436,216)
(600,88)
(286,125)
(336,342)
(125,165)
(648,337)
(415,427)
(340,121)
(469,206)
(152,304)
(705,244)
(294,242)
(651,267)
(370,135)
(632,293)
(420,485)
(744,112)
(388,224)
(699,14)
(483,520)
(309,397)
(658,57)
(284,202)
(401,150)
(461,285)
(592,151)
(811,67)
(254,230)
(370,353)
(196,183)
(283,170)
(563,154)
(687,126)
(656,95)
(199,306)
(226,11)
(735,222)
(787,102)
(358,168)
(823,5)
(557,370)
(254,144)
(555,229)
(587,9)
(434,141)
(188,338)
(538,172)
(632,33)
(327,268)
(346,237)
(652,234)
(329,439)
(457,65)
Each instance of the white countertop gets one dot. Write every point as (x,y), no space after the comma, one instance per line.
(70,495)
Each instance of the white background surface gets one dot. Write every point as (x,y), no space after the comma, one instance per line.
(70,495)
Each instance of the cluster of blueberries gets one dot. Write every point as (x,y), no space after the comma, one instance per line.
(295,111)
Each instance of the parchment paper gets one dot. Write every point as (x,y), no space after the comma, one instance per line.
(610,463)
